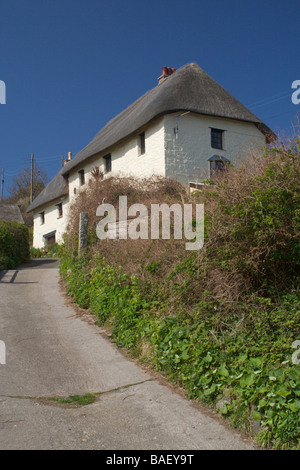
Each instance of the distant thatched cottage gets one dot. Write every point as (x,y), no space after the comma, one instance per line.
(10,213)
(185,128)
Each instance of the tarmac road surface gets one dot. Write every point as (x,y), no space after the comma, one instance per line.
(51,351)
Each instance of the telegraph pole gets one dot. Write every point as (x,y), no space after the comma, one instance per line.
(31,193)
(2,184)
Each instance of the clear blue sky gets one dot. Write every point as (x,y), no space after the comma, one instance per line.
(72,65)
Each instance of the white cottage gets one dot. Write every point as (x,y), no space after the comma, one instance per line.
(185,128)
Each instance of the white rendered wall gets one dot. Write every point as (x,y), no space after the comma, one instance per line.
(126,159)
(187,156)
(52,222)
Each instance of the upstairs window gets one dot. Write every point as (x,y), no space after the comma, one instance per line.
(217,138)
(42,218)
(59,210)
(142,143)
(81,177)
(107,163)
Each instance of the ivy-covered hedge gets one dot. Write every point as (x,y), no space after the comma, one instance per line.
(14,244)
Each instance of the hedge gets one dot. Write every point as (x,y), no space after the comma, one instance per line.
(14,244)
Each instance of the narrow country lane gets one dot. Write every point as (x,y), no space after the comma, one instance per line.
(51,352)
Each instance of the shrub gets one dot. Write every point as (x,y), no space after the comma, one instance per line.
(36,252)
(14,244)
(75,273)
(253,215)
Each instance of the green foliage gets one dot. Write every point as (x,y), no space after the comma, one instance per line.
(75,400)
(76,273)
(152,267)
(36,252)
(53,251)
(14,244)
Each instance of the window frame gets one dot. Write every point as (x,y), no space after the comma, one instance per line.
(217,138)
(81,175)
(218,165)
(107,163)
(142,143)
(60,210)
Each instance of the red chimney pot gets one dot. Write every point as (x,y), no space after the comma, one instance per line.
(166,72)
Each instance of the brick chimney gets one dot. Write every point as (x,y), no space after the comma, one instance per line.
(166,72)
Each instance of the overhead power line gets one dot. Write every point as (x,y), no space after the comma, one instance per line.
(269,100)
(281,114)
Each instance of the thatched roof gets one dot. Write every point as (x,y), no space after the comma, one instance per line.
(10,213)
(57,188)
(187,89)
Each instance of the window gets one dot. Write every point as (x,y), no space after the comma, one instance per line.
(59,210)
(50,238)
(142,143)
(107,163)
(217,138)
(218,165)
(42,218)
(81,177)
